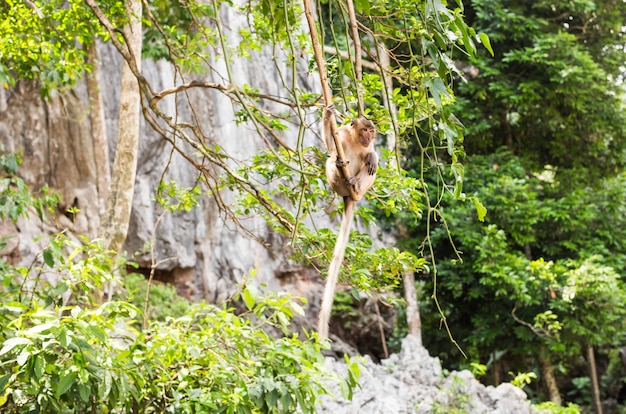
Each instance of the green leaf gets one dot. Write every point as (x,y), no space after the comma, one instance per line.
(484,39)
(15,307)
(65,383)
(363,6)
(48,258)
(11,164)
(105,386)
(271,398)
(9,344)
(84,392)
(437,89)
(39,366)
(97,333)
(39,328)
(480,209)
(4,381)
(249,297)
(346,390)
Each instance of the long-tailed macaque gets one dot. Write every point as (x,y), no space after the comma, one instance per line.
(357,141)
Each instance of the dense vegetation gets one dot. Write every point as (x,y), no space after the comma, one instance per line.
(540,285)
(512,106)
(63,351)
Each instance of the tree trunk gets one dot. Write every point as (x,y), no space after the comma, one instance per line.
(595,387)
(622,356)
(98,130)
(412,308)
(497,378)
(114,226)
(408,279)
(547,376)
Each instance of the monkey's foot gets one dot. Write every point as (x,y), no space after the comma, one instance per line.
(351,182)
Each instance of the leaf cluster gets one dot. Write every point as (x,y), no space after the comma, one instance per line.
(15,197)
(63,352)
(45,40)
(550,87)
(520,273)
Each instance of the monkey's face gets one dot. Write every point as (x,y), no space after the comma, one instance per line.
(365,131)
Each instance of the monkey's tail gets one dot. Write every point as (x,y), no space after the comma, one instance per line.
(333,268)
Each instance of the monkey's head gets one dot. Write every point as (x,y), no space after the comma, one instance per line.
(365,131)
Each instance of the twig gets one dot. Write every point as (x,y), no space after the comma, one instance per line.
(345,55)
(358,66)
(36,9)
(381,330)
(153,268)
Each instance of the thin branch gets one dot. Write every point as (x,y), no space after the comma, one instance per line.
(540,332)
(126,52)
(245,184)
(36,9)
(381,330)
(226,89)
(358,66)
(345,55)
(154,265)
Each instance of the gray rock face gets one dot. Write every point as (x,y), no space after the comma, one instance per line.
(412,382)
(207,255)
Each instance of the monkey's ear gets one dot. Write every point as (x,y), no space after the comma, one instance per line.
(353,122)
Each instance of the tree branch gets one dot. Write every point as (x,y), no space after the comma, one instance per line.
(358,66)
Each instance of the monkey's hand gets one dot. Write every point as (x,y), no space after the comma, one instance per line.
(371,163)
(340,164)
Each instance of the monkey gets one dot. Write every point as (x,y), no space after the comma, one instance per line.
(357,141)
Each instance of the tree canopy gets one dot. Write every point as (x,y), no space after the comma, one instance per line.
(554,84)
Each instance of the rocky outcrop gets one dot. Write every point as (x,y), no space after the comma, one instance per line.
(412,382)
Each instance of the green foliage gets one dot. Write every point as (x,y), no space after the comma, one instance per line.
(457,401)
(521,379)
(62,352)
(44,41)
(550,87)
(163,301)
(522,285)
(478,369)
(550,407)
(15,196)
(172,198)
